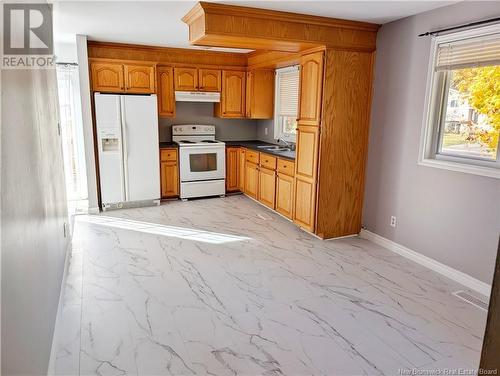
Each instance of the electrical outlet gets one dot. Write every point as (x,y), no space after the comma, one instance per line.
(393,221)
(265,131)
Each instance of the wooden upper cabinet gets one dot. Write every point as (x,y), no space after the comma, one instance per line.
(311,86)
(260,94)
(186,79)
(166,94)
(139,78)
(107,77)
(209,79)
(232,101)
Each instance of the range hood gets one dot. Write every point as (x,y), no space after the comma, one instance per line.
(197,96)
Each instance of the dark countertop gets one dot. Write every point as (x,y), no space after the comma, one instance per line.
(254,145)
(168,144)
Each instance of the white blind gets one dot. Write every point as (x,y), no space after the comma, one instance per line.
(473,52)
(288,91)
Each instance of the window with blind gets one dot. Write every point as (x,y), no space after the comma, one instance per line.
(287,101)
(462,123)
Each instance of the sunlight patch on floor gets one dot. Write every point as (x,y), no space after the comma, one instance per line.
(163,230)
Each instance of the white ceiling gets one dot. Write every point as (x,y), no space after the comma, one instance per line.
(158,23)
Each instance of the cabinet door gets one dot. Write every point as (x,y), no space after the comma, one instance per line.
(267,187)
(169,179)
(284,195)
(107,77)
(305,203)
(209,79)
(260,94)
(166,95)
(306,165)
(232,165)
(140,79)
(251,179)
(233,94)
(306,154)
(186,79)
(241,169)
(311,86)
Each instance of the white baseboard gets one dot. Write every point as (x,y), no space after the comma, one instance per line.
(456,275)
(57,325)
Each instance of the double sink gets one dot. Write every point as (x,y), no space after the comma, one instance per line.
(275,148)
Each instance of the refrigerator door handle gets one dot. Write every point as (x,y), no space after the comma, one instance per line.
(122,173)
(125,147)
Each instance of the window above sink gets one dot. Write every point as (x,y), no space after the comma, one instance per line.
(287,99)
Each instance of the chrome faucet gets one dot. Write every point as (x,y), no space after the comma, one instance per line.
(288,144)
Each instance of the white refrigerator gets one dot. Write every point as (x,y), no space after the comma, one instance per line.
(127,138)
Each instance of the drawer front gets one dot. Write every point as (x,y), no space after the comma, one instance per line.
(268,161)
(252,156)
(168,155)
(286,167)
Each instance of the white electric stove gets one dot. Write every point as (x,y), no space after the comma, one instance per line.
(202,161)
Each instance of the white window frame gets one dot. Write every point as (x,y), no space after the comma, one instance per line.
(431,127)
(278,126)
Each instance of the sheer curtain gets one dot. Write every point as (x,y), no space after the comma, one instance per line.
(72,138)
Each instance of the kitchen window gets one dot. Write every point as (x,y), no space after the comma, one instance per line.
(287,101)
(462,119)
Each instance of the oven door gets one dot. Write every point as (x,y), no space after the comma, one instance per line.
(202,163)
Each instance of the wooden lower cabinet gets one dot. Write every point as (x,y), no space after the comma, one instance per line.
(284,195)
(268,179)
(251,179)
(232,167)
(305,203)
(169,173)
(169,179)
(267,187)
(306,165)
(241,168)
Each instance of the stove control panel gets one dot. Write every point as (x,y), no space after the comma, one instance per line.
(193,130)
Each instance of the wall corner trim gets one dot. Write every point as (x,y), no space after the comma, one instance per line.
(447,271)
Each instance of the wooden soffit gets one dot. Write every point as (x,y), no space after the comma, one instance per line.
(222,25)
(165,55)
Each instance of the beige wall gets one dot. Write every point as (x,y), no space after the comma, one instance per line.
(449,216)
(33,211)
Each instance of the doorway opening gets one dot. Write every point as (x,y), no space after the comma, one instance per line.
(72,139)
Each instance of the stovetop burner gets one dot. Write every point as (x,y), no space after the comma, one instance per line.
(187,142)
(210,141)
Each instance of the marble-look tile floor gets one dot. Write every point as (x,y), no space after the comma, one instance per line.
(226,287)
